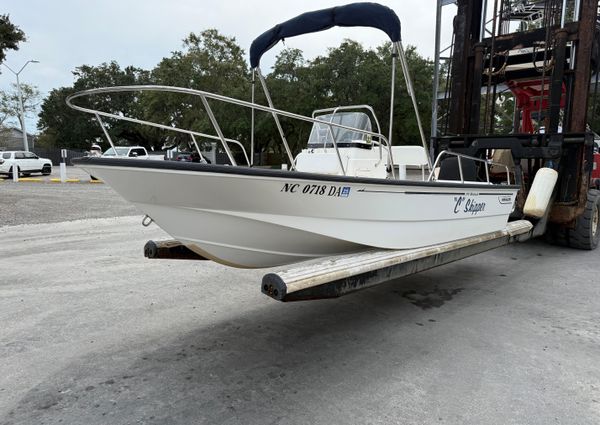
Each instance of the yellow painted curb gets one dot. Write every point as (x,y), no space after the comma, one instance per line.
(66,181)
(97,181)
(30,179)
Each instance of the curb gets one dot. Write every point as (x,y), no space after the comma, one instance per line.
(66,180)
(31,179)
(55,180)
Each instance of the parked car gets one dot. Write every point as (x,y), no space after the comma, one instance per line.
(184,156)
(138,152)
(26,163)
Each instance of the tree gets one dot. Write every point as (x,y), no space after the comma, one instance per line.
(9,103)
(10,36)
(62,126)
(504,114)
(405,125)
(289,65)
(210,62)
(289,86)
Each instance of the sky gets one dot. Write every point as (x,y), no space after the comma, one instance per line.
(65,34)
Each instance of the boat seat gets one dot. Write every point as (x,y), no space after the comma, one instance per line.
(413,156)
(449,169)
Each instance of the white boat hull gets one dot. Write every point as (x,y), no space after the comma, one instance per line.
(264,218)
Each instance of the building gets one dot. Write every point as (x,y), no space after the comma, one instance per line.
(12,139)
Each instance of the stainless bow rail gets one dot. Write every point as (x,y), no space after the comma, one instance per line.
(205,96)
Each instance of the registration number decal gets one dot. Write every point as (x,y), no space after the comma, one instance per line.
(317,189)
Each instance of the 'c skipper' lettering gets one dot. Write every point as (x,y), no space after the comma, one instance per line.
(469,206)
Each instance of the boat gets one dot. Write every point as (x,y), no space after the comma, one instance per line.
(344,193)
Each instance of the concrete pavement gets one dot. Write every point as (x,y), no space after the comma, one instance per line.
(93,333)
(29,202)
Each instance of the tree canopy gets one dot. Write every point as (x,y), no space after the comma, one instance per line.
(67,128)
(209,61)
(10,36)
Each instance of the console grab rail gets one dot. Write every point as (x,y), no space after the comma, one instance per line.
(461,156)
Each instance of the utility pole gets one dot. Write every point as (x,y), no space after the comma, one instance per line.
(21,108)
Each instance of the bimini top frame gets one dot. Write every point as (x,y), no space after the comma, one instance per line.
(352,15)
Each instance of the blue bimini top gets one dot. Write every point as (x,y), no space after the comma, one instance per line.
(351,15)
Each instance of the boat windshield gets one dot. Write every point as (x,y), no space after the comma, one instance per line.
(120,152)
(323,134)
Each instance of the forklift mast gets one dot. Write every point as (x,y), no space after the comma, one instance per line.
(536,62)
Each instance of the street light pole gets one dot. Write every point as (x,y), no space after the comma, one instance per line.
(22,109)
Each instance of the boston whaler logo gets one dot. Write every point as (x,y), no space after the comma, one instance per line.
(317,189)
(468,205)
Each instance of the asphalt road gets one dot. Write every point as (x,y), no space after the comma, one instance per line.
(93,333)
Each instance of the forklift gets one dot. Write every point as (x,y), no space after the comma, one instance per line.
(544,56)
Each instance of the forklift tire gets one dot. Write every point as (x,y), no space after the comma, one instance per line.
(586,233)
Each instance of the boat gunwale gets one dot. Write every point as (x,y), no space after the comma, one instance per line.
(268,172)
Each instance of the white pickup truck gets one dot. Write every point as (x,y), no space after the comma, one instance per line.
(138,152)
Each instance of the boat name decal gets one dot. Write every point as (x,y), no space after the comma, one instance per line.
(468,205)
(317,189)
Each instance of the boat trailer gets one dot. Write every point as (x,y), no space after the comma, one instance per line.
(334,277)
